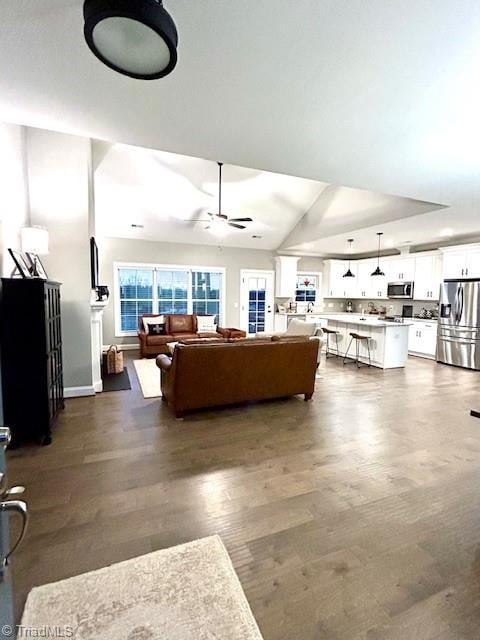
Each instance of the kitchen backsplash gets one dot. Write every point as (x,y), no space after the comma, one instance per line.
(394,307)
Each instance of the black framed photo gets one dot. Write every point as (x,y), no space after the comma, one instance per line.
(21,262)
(37,269)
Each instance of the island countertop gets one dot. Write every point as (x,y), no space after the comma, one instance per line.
(357,319)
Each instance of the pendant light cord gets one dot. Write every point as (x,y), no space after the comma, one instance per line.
(220,188)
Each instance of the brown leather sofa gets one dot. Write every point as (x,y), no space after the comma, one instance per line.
(180,326)
(212,375)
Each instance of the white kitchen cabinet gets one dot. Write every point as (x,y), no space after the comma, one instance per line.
(427,278)
(336,285)
(365,283)
(400,269)
(462,262)
(379,287)
(280,322)
(285,276)
(422,339)
(473,263)
(454,264)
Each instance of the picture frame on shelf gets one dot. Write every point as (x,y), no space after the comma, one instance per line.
(37,269)
(21,263)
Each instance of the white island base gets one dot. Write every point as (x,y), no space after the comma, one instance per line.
(388,340)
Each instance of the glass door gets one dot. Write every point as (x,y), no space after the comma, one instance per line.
(257,301)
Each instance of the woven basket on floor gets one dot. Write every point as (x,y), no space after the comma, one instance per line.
(112,360)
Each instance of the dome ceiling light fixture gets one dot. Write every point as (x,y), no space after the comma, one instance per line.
(348,273)
(136,38)
(378,271)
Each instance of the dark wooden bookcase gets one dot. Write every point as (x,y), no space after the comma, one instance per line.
(31,357)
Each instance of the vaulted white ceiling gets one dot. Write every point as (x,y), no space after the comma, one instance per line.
(155,195)
(382,96)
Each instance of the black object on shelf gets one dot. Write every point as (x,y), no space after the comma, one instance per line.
(31,357)
(475,414)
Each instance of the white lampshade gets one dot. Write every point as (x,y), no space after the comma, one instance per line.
(34,240)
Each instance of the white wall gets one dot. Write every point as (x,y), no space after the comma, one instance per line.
(121,250)
(118,250)
(58,175)
(13,191)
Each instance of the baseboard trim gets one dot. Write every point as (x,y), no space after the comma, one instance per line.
(124,347)
(78,392)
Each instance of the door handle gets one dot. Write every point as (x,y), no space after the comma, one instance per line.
(455,312)
(20,507)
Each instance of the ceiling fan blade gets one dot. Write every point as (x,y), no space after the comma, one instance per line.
(237,226)
(240,219)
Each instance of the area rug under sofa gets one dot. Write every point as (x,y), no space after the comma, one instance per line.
(187,592)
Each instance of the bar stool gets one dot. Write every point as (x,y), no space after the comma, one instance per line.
(358,338)
(331,332)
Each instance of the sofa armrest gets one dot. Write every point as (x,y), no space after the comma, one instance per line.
(164,362)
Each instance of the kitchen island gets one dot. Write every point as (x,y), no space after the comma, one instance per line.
(388,340)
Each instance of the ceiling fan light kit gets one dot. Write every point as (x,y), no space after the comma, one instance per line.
(378,271)
(136,38)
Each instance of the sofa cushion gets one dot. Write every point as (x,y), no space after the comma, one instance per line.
(156,329)
(206,324)
(152,340)
(183,335)
(181,323)
(151,320)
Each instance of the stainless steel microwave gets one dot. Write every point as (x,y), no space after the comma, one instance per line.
(402,290)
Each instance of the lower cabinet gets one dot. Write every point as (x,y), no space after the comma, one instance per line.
(422,339)
(280,322)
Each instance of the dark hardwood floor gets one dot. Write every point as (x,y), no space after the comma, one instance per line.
(355,516)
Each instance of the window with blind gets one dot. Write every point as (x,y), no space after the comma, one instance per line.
(141,289)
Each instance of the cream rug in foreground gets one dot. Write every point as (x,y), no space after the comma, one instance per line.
(188,592)
(148,375)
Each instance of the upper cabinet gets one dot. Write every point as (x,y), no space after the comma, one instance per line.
(461,262)
(285,276)
(423,270)
(367,284)
(335,285)
(400,269)
(427,278)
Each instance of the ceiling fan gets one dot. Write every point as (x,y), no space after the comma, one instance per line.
(214,218)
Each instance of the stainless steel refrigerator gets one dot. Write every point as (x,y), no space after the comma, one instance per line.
(458,340)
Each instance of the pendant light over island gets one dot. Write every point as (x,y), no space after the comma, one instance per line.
(378,271)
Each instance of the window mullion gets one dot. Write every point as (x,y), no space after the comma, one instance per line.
(155,293)
(190,292)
